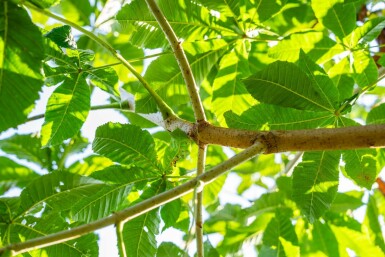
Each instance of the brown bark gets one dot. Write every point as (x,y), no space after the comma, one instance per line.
(295,140)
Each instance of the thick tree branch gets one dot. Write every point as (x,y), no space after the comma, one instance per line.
(277,141)
(138,209)
(163,107)
(181,59)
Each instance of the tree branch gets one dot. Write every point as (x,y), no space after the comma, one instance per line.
(138,209)
(277,141)
(162,105)
(181,59)
(199,201)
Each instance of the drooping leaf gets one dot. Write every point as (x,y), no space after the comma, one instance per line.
(14,174)
(20,74)
(315,182)
(140,233)
(62,36)
(360,166)
(317,46)
(229,93)
(286,85)
(340,18)
(126,144)
(372,225)
(67,109)
(376,115)
(270,117)
(320,80)
(58,190)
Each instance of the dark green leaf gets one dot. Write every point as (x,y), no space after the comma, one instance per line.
(20,75)
(284,84)
(168,249)
(67,109)
(347,201)
(62,36)
(315,182)
(105,79)
(126,144)
(170,213)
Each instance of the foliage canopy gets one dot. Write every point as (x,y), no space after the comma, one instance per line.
(260,65)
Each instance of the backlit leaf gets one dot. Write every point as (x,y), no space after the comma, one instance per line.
(315,182)
(376,115)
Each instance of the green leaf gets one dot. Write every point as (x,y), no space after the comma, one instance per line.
(315,182)
(347,201)
(58,190)
(270,117)
(168,249)
(77,11)
(167,78)
(170,213)
(14,174)
(356,241)
(140,233)
(189,20)
(278,234)
(376,115)
(262,10)
(89,165)
(363,68)
(338,17)
(209,249)
(227,8)
(268,202)
(229,93)
(367,32)
(323,240)
(62,36)
(126,144)
(177,150)
(361,166)
(117,174)
(45,3)
(314,43)
(20,75)
(67,109)
(286,85)
(105,79)
(340,75)
(320,80)
(372,225)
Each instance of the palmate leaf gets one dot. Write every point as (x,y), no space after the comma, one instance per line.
(315,182)
(376,115)
(62,36)
(30,228)
(58,190)
(20,75)
(314,43)
(140,233)
(286,85)
(270,117)
(67,109)
(166,77)
(127,144)
(189,20)
(340,18)
(229,93)
(14,174)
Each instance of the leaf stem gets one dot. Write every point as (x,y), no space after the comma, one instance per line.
(93,108)
(138,209)
(181,58)
(163,107)
(199,201)
(119,235)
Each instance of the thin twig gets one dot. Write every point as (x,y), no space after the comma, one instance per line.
(181,58)
(199,202)
(138,209)
(119,235)
(166,111)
